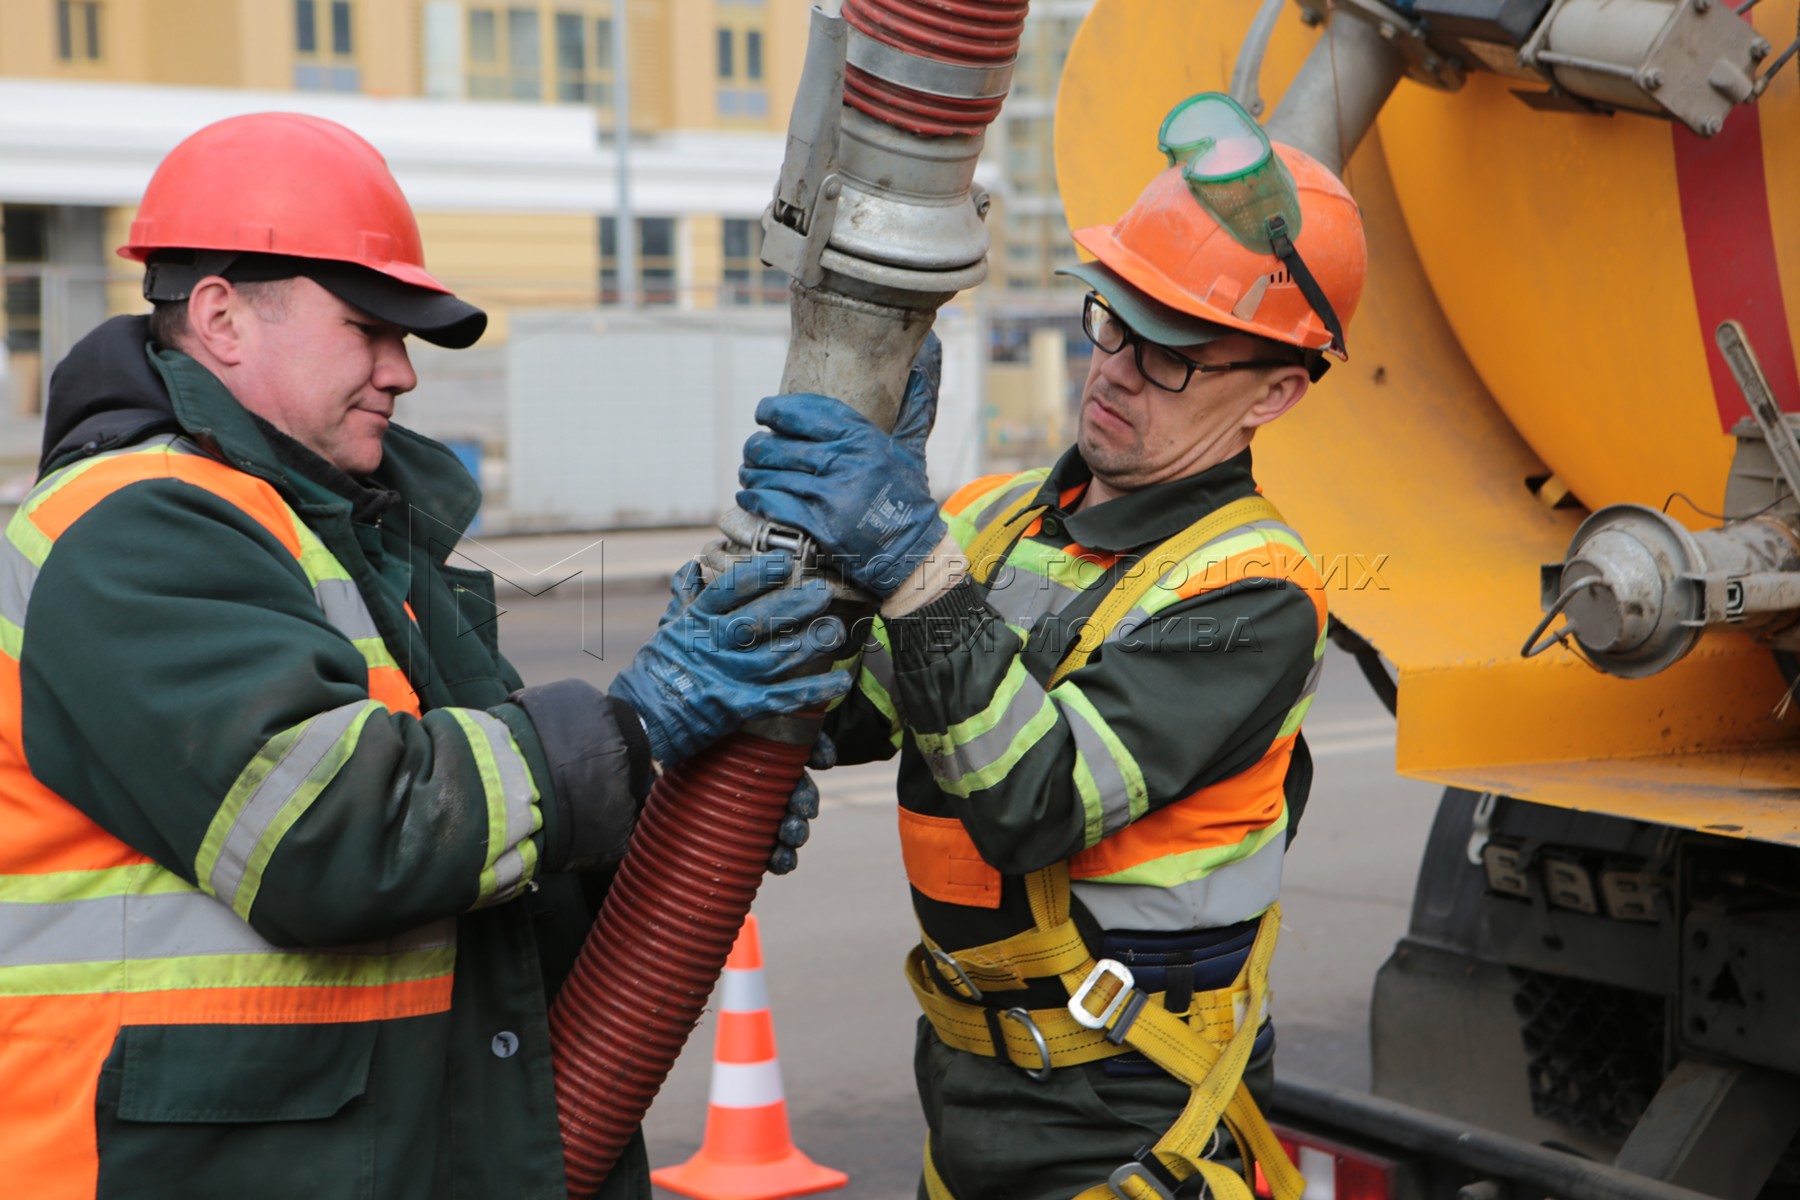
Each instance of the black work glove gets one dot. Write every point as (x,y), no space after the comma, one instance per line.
(803,806)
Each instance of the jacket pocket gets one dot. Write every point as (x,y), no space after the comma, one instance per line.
(274,1111)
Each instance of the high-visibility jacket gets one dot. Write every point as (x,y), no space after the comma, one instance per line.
(1164,771)
(279,901)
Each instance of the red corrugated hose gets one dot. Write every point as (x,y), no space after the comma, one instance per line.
(969,33)
(643,977)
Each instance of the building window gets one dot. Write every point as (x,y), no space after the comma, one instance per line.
(655,260)
(583,65)
(738,63)
(325,47)
(78,30)
(745,280)
(24,246)
(507,53)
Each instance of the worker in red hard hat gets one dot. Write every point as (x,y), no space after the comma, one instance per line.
(291,864)
(1094,674)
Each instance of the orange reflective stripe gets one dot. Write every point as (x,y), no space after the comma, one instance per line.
(971,492)
(1223,814)
(942,862)
(388,686)
(288,1005)
(257,499)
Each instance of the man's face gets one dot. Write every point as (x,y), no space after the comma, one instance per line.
(324,373)
(1133,434)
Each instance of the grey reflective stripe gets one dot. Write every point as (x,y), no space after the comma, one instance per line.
(515,783)
(272,795)
(1115,793)
(878,662)
(345,608)
(1023,597)
(984,750)
(1312,677)
(169,925)
(18,575)
(1234,892)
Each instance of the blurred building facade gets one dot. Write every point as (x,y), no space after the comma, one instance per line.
(499,118)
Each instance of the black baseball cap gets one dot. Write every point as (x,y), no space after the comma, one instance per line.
(437,317)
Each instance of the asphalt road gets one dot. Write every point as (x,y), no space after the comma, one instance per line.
(834,932)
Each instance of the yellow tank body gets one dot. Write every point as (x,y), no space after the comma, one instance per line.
(1542,293)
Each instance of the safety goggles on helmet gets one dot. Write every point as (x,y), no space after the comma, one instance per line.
(1233,171)
(1160,366)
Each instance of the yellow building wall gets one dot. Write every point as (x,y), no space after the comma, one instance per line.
(706,252)
(389,47)
(784,52)
(125,291)
(266,45)
(193,43)
(501,261)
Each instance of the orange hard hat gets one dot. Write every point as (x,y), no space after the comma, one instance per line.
(1173,249)
(274,195)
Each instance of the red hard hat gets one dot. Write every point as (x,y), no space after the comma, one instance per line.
(281,183)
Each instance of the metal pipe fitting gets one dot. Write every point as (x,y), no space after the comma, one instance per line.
(1332,103)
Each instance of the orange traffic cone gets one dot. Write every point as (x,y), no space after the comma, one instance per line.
(748,1153)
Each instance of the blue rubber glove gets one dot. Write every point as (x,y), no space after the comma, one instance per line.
(802,807)
(918,409)
(823,467)
(725,658)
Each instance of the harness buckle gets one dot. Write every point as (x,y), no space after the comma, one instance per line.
(1127,988)
(949,963)
(1140,1171)
(1040,1073)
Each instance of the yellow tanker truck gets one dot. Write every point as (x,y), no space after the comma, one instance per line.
(1557,470)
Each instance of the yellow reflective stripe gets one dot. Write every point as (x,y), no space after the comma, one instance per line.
(967,524)
(1176,869)
(1205,562)
(293,797)
(275,969)
(28,539)
(374,652)
(315,560)
(56,482)
(1056,565)
(990,717)
(12,639)
(512,806)
(58,887)
(1124,776)
(976,753)
(1295,715)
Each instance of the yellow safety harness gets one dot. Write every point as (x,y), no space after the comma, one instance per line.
(1207,1046)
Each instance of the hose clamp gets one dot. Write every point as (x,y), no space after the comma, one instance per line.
(927,75)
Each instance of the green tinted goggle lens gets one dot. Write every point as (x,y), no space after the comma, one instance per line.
(1230,167)
(1212,139)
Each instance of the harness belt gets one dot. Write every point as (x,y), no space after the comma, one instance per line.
(1206,1047)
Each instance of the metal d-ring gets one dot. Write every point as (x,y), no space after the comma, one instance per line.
(1042,1072)
(1532,648)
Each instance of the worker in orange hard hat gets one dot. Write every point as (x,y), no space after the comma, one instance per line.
(1096,684)
(291,863)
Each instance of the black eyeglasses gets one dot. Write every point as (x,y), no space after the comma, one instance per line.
(1162,367)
